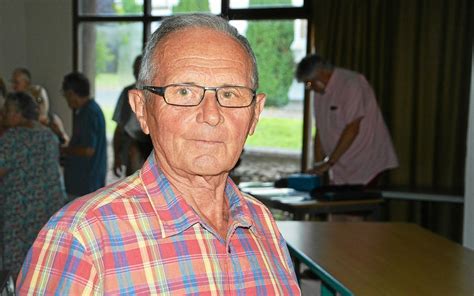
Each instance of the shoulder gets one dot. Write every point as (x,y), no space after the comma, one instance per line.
(94,209)
(38,132)
(252,201)
(346,76)
(261,215)
(351,77)
(46,133)
(93,110)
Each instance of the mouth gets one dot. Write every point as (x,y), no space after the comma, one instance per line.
(210,142)
(206,143)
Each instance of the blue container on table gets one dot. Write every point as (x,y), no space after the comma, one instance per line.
(304,182)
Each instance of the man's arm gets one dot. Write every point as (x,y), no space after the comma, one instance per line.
(345,141)
(59,264)
(318,149)
(58,128)
(78,151)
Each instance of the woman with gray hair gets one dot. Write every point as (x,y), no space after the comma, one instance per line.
(31,186)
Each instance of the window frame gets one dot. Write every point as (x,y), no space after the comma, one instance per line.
(264,13)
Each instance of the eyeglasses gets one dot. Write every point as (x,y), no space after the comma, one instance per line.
(189,95)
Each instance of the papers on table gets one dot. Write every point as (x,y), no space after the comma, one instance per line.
(280,194)
(243,185)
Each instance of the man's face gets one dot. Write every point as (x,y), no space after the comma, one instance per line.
(206,139)
(317,82)
(19,82)
(70,98)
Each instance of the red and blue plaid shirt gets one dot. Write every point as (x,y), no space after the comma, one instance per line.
(137,237)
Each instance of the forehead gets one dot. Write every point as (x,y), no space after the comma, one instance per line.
(202,51)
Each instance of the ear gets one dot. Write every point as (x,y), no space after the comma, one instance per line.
(136,99)
(259,103)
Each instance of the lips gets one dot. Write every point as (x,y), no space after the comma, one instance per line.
(207,142)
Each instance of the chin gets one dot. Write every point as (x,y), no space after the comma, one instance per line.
(208,166)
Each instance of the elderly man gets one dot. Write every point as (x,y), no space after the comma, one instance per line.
(179,225)
(352,141)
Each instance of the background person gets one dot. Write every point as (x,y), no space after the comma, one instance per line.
(131,145)
(352,140)
(21,81)
(85,158)
(179,226)
(31,186)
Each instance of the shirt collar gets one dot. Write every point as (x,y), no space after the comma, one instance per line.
(331,83)
(174,213)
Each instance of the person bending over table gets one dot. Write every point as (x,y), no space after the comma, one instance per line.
(352,142)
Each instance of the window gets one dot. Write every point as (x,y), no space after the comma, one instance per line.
(107,55)
(111,33)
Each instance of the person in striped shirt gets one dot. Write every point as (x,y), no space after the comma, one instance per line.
(179,225)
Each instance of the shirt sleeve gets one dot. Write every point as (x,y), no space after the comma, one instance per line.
(59,264)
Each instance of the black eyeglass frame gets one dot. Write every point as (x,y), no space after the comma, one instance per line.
(160,90)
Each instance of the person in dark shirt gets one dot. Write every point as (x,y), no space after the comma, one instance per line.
(85,158)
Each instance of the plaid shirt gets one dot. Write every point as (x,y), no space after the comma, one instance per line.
(137,237)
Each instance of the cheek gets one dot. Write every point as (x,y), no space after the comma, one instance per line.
(238,131)
(165,126)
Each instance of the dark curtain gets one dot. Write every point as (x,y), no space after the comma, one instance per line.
(417,56)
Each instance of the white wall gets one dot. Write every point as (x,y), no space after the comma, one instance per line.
(468,237)
(37,34)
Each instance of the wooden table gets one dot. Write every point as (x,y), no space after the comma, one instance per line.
(368,258)
(300,204)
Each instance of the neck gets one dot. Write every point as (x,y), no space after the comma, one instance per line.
(82,101)
(205,194)
(326,76)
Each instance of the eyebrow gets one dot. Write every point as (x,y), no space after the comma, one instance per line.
(223,85)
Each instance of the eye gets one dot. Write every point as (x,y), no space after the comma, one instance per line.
(184,91)
(229,93)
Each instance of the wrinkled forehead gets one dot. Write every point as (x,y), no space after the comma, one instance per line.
(203,46)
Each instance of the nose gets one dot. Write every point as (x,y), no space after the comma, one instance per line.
(209,109)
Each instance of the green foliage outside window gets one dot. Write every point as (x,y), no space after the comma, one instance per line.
(185,6)
(271,41)
(128,7)
(103,54)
